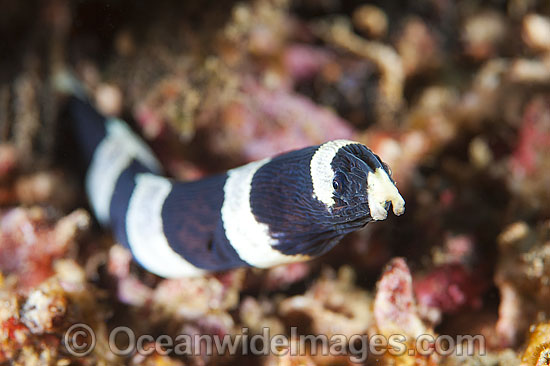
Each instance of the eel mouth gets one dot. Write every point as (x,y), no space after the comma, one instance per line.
(380,191)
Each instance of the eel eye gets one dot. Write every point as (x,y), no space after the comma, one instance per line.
(337,183)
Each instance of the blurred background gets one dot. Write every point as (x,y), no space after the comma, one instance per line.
(453,95)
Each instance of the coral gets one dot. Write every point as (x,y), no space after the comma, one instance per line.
(538,347)
(333,305)
(395,308)
(30,244)
(452,95)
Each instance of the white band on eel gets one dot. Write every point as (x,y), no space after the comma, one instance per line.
(145,230)
(249,238)
(114,153)
(321,170)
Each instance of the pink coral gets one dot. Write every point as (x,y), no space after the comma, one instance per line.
(29,242)
(395,308)
(273,121)
(449,288)
(534,138)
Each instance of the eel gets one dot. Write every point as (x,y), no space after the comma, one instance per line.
(289,208)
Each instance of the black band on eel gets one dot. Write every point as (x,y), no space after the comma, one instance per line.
(289,208)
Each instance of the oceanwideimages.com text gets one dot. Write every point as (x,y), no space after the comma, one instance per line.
(80,340)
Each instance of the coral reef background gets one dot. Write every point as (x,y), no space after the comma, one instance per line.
(453,95)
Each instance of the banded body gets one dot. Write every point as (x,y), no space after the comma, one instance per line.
(288,208)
